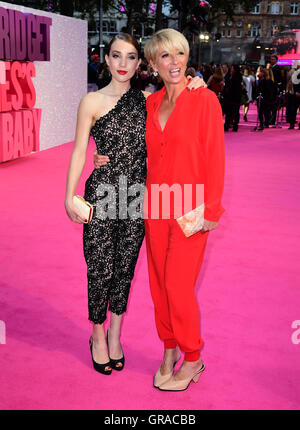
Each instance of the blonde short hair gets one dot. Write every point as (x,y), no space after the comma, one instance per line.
(168,39)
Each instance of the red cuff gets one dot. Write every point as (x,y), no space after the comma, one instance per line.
(213,214)
(170,344)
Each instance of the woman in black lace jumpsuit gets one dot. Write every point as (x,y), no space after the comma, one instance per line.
(113,238)
(111,246)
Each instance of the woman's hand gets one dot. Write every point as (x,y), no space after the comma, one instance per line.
(100,160)
(72,214)
(208,226)
(196,83)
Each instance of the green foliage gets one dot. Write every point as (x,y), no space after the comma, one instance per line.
(136,11)
(229,6)
(217,7)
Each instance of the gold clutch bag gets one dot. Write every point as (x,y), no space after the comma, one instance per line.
(192,222)
(84,208)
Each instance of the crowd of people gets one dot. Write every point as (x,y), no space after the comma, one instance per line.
(285,45)
(269,87)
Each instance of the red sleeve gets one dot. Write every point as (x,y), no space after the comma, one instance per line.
(213,127)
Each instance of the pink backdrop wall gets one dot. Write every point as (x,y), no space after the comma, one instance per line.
(62,82)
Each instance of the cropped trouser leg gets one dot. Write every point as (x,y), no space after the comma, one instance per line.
(111,249)
(174,264)
(157,246)
(129,239)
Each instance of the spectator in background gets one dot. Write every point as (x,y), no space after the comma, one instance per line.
(207,72)
(152,84)
(216,81)
(267,89)
(198,72)
(290,95)
(284,73)
(232,97)
(90,50)
(142,78)
(278,85)
(226,72)
(249,81)
(104,77)
(258,76)
(295,79)
(94,68)
(190,71)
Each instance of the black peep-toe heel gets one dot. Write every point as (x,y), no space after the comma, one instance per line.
(113,362)
(97,366)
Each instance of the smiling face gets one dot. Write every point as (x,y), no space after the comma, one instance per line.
(122,60)
(170,64)
(168,52)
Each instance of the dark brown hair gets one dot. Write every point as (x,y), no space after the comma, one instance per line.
(126,38)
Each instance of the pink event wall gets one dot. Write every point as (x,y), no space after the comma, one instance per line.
(62,82)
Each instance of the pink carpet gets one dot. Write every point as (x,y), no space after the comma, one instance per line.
(248,290)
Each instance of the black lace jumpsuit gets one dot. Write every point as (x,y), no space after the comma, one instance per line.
(112,240)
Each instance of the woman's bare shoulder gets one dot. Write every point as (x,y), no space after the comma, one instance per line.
(94,102)
(93,97)
(90,99)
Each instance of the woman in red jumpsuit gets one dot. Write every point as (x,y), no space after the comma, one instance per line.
(185,145)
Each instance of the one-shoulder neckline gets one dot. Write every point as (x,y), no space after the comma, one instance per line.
(113,108)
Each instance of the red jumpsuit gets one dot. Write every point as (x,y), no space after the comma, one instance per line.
(190,150)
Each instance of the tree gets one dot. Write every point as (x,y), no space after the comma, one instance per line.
(229,6)
(137,11)
(159,15)
(134,10)
(66,7)
(190,12)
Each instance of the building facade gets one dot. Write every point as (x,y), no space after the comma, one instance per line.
(245,38)
(249,37)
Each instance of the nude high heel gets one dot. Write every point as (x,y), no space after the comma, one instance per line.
(160,379)
(173,385)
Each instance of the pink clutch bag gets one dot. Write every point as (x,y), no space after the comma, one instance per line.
(192,222)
